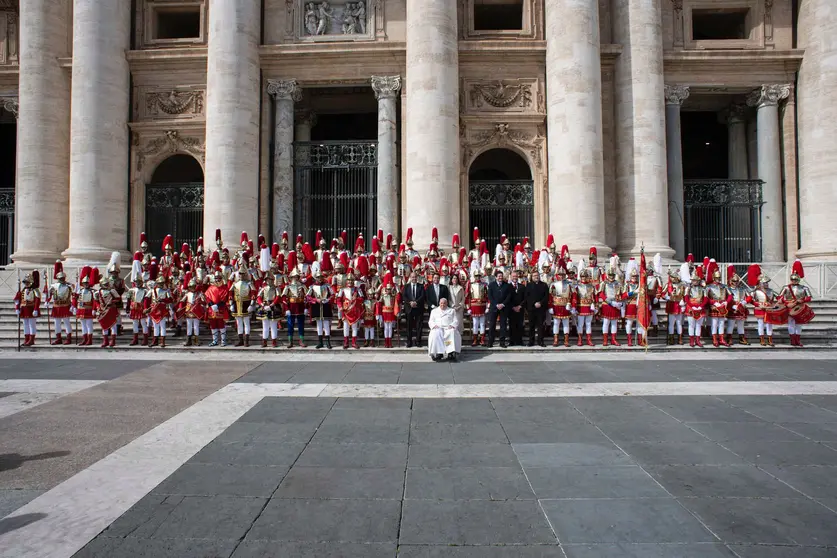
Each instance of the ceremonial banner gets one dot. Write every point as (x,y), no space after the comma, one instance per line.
(643,313)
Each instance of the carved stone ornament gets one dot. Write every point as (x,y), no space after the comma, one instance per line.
(500,94)
(769,95)
(10,104)
(502,135)
(284,89)
(336,19)
(171,142)
(736,113)
(386,87)
(676,94)
(174,102)
(768,21)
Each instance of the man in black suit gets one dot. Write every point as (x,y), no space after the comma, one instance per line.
(499,296)
(434,292)
(537,302)
(413,298)
(516,309)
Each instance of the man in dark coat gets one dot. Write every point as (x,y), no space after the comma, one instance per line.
(413,299)
(499,297)
(434,292)
(516,309)
(537,302)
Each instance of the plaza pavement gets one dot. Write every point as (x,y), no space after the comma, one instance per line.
(510,455)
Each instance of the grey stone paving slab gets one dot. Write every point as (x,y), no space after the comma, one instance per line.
(200,479)
(70,369)
(327,482)
(592,481)
(5,394)
(144,517)
(545,410)
(321,375)
(452,411)
(474,522)
(726,481)
(618,521)
(525,432)
(782,409)
(610,409)
(259,432)
(214,517)
(480,377)
(515,551)
(372,377)
(354,455)
(680,453)
(381,433)
(462,455)
(362,521)
(369,417)
(277,410)
(249,453)
(275,549)
(750,431)
(766,521)
(425,367)
(536,376)
(701,550)
(696,408)
(825,401)
(442,375)
(10,500)
(468,483)
(826,432)
(630,430)
(372,403)
(570,454)
(815,482)
(265,374)
(104,547)
(465,367)
(376,367)
(469,433)
(784,453)
(794,551)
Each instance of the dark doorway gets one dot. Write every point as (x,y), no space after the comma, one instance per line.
(174,203)
(8,169)
(705,145)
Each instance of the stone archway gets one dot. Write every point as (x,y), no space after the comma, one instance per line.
(174,202)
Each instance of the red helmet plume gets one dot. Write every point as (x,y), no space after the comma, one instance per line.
(476,235)
(308,254)
(797,269)
(550,240)
(362,267)
(359,243)
(58,267)
(318,237)
(376,245)
(325,263)
(388,245)
(455,239)
(292,260)
(381,236)
(274,250)
(244,238)
(434,235)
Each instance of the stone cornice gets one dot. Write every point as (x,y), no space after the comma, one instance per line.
(192,58)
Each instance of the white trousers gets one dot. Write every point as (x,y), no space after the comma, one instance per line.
(137,323)
(193,326)
(243,325)
(556,322)
(654,319)
(58,322)
(270,329)
(764,328)
(609,326)
(353,327)
(717,325)
(675,321)
(30,326)
(324,327)
(735,324)
(479,324)
(585,324)
(629,327)
(87,326)
(112,331)
(694,326)
(793,327)
(369,333)
(388,329)
(160,329)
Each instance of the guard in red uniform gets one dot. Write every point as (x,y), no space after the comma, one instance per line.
(84,301)
(217,296)
(476,301)
(388,308)
(60,298)
(695,300)
(139,305)
(28,306)
(797,298)
(350,300)
(108,303)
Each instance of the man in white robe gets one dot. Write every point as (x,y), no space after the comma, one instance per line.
(444,339)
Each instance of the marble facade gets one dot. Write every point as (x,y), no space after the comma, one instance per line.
(588,92)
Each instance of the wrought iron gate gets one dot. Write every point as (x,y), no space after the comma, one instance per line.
(502,207)
(335,188)
(7,224)
(723,219)
(175,209)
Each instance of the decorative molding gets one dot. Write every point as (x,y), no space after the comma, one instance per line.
(10,104)
(284,89)
(502,135)
(170,142)
(507,96)
(769,95)
(676,94)
(386,87)
(174,102)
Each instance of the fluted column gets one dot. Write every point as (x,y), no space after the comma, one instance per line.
(387,89)
(766,100)
(640,128)
(231,190)
(675,95)
(43,134)
(574,124)
(285,93)
(736,118)
(432,83)
(817,111)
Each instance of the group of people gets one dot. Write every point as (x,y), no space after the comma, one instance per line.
(368,291)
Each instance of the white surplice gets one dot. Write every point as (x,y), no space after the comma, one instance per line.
(444,335)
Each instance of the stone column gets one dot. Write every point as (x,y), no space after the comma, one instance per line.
(574,124)
(640,128)
(432,123)
(231,190)
(43,134)
(285,93)
(304,120)
(736,118)
(675,95)
(817,112)
(100,105)
(766,100)
(386,90)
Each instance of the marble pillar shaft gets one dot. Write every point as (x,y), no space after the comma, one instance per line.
(640,128)
(574,124)
(386,90)
(737,139)
(100,104)
(43,133)
(231,190)
(285,93)
(432,119)
(675,95)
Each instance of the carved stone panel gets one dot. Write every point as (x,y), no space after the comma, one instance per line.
(179,103)
(170,142)
(336,20)
(9,42)
(525,137)
(505,96)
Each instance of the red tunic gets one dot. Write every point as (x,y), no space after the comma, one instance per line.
(388,308)
(352,305)
(477,304)
(31,302)
(216,295)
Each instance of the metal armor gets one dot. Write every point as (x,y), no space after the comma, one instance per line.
(764,297)
(716,292)
(242,294)
(560,293)
(677,292)
(696,294)
(798,292)
(478,291)
(295,293)
(61,294)
(631,292)
(612,291)
(586,293)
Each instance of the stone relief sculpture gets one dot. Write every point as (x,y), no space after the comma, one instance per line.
(312,21)
(317,18)
(324,15)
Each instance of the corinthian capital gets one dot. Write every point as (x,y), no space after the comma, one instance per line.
(735,113)
(676,94)
(10,104)
(284,89)
(769,95)
(386,87)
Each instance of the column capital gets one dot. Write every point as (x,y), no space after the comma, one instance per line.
(284,89)
(735,113)
(303,115)
(11,104)
(676,94)
(769,95)
(386,87)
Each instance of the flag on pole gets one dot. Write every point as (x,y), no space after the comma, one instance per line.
(643,310)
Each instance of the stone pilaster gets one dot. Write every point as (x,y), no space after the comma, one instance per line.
(574,124)
(387,89)
(432,120)
(640,128)
(675,95)
(766,100)
(100,103)
(817,112)
(231,191)
(285,93)
(43,134)
(736,118)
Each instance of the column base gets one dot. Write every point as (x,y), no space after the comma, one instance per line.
(94,255)
(579,250)
(31,258)
(666,252)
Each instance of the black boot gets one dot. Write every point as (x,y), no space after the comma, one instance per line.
(319,342)
(328,341)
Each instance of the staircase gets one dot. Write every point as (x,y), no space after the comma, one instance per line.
(820,334)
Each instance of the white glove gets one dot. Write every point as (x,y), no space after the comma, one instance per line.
(306,311)
(716,304)
(614,304)
(574,312)
(667,298)
(656,300)
(17,313)
(568,307)
(469,311)
(288,314)
(593,307)
(36,313)
(683,304)
(251,308)
(551,311)
(73,310)
(214,307)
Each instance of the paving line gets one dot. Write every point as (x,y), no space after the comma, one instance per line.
(27,394)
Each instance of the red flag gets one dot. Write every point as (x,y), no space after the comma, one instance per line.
(643,310)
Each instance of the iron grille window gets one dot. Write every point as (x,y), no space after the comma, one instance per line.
(502,207)
(175,209)
(7,224)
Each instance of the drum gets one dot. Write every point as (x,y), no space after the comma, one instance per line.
(801,314)
(776,315)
